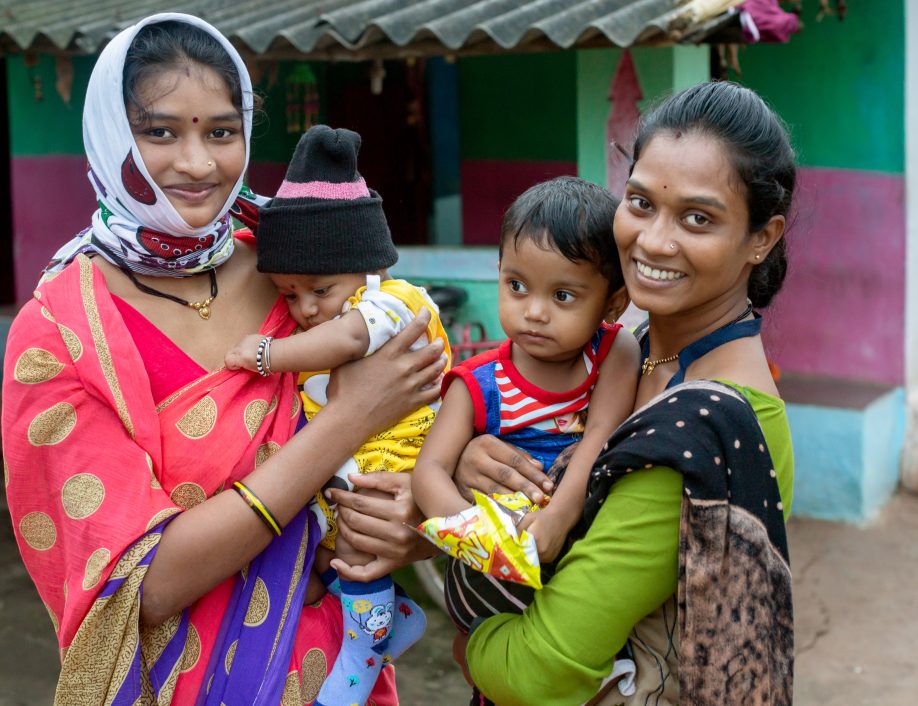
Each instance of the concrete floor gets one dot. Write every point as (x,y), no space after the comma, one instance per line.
(856,596)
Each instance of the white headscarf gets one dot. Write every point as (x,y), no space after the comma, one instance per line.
(136,226)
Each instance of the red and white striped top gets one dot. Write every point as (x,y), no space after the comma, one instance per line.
(528,408)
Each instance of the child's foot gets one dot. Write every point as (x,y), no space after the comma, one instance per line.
(408,623)
(368,611)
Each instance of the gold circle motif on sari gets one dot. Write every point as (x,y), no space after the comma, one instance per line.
(313,671)
(38,531)
(160,516)
(187,495)
(259,605)
(154,481)
(36,365)
(82,495)
(198,421)
(192,651)
(266,451)
(96,563)
(254,415)
(53,425)
(72,343)
(54,620)
(291,695)
(230,654)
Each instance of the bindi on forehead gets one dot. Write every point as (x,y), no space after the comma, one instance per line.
(194,119)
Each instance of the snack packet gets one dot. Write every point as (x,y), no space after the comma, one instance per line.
(485,538)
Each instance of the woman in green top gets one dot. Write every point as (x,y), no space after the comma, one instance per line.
(682,555)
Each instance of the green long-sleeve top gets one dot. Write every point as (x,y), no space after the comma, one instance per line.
(560,649)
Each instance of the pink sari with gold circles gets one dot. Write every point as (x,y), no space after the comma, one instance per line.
(95,468)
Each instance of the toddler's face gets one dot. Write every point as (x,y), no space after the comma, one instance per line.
(315,299)
(548,305)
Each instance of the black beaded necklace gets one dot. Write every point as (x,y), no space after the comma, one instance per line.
(202,307)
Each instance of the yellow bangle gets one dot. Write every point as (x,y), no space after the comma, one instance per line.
(264,514)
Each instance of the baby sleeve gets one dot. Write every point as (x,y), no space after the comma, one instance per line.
(385,315)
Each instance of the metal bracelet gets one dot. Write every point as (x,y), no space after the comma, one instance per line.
(263,356)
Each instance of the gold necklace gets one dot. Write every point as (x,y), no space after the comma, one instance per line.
(202,307)
(648,365)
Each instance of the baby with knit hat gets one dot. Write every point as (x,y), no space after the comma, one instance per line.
(325,243)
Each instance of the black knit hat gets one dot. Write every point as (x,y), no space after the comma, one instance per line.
(324,219)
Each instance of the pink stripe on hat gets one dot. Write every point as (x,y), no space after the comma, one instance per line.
(323,190)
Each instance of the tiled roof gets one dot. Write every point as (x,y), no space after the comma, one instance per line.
(360,29)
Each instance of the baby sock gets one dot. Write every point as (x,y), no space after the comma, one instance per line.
(408,622)
(367,609)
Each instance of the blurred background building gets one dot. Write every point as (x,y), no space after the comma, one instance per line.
(463,104)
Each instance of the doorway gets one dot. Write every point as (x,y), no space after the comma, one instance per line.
(395,154)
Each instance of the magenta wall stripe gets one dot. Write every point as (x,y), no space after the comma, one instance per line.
(841,310)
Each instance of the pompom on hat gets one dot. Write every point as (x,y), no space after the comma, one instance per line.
(324,219)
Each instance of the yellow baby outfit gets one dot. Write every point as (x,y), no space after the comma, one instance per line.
(386,307)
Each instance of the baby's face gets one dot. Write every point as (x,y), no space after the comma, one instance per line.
(315,299)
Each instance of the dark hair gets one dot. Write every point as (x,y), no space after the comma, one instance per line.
(167,45)
(571,215)
(759,150)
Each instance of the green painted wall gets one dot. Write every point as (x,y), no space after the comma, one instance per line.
(481,305)
(270,140)
(660,72)
(839,86)
(49,126)
(518,106)
(45,126)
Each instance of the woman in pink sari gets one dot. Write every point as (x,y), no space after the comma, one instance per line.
(125,438)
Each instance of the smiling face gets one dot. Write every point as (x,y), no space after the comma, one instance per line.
(315,299)
(682,227)
(549,306)
(192,143)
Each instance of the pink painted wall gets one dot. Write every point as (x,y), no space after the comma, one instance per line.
(52,202)
(490,186)
(842,309)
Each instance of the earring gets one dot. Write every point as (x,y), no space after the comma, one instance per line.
(757,256)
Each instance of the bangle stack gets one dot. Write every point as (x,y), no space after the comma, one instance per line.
(263,356)
(258,507)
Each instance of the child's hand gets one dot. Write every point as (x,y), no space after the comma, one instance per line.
(242,355)
(550,531)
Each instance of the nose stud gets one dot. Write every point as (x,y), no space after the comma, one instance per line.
(672,246)
(210,164)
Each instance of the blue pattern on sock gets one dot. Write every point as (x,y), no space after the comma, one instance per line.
(368,610)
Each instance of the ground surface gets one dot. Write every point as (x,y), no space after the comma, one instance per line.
(856,596)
